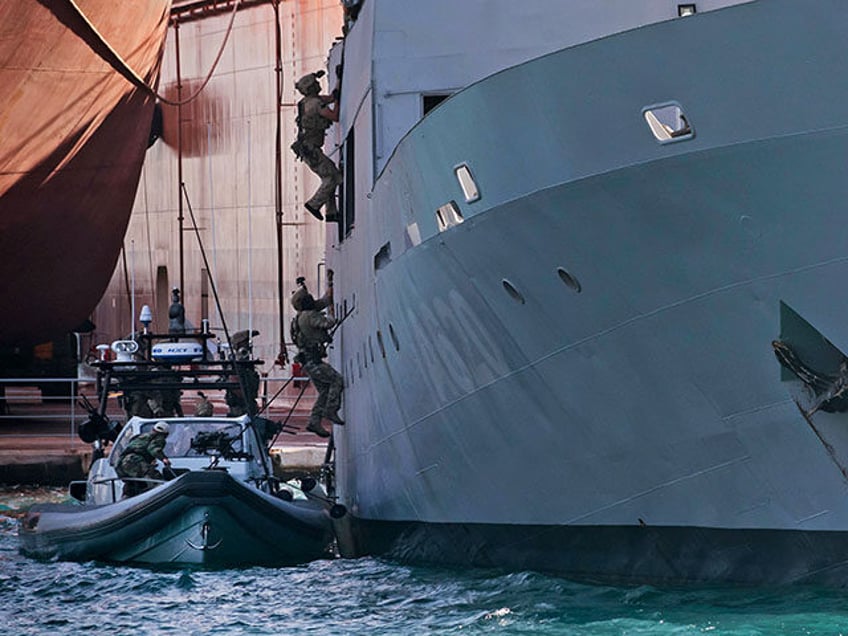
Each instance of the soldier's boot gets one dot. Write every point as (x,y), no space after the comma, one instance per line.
(315,427)
(331,209)
(313,211)
(335,418)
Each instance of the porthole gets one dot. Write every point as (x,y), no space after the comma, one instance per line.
(380,344)
(394,337)
(566,277)
(512,291)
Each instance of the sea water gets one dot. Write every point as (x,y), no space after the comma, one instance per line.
(373,596)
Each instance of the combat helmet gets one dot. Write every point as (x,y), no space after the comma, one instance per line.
(304,84)
(300,300)
(240,341)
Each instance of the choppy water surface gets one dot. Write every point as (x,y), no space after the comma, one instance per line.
(370,596)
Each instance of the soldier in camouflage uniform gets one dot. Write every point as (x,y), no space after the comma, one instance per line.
(310,332)
(203,407)
(138,459)
(237,404)
(149,403)
(313,119)
(176,313)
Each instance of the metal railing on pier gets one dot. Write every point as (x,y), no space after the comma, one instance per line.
(50,407)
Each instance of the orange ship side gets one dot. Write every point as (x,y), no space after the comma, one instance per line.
(73,133)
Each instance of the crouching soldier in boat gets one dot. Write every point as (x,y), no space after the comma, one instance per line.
(310,331)
(138,459)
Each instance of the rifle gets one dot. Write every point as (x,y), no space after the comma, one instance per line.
(339,323)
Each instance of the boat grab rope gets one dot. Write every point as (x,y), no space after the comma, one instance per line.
(102,48)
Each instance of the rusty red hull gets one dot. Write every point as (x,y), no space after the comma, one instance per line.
(73,133)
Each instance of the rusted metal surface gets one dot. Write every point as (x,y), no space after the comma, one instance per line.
(240,181)
(73,135)
(194,10)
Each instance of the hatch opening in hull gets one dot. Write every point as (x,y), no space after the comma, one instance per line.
(668,122)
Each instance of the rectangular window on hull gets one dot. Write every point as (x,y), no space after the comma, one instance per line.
(347,204)
(429,102)
(686,9)
(668,123)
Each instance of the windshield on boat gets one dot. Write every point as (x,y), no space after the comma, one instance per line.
(198,438)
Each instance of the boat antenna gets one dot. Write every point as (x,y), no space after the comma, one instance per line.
(132,295)
(237,367)
(249,239)
(126,280)
(206,263)
(283,357)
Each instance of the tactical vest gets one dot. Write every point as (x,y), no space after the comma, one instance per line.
(311,125)
(310,350)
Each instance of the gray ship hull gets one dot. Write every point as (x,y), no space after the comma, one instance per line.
(579,375)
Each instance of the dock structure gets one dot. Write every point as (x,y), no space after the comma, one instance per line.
(39,442)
